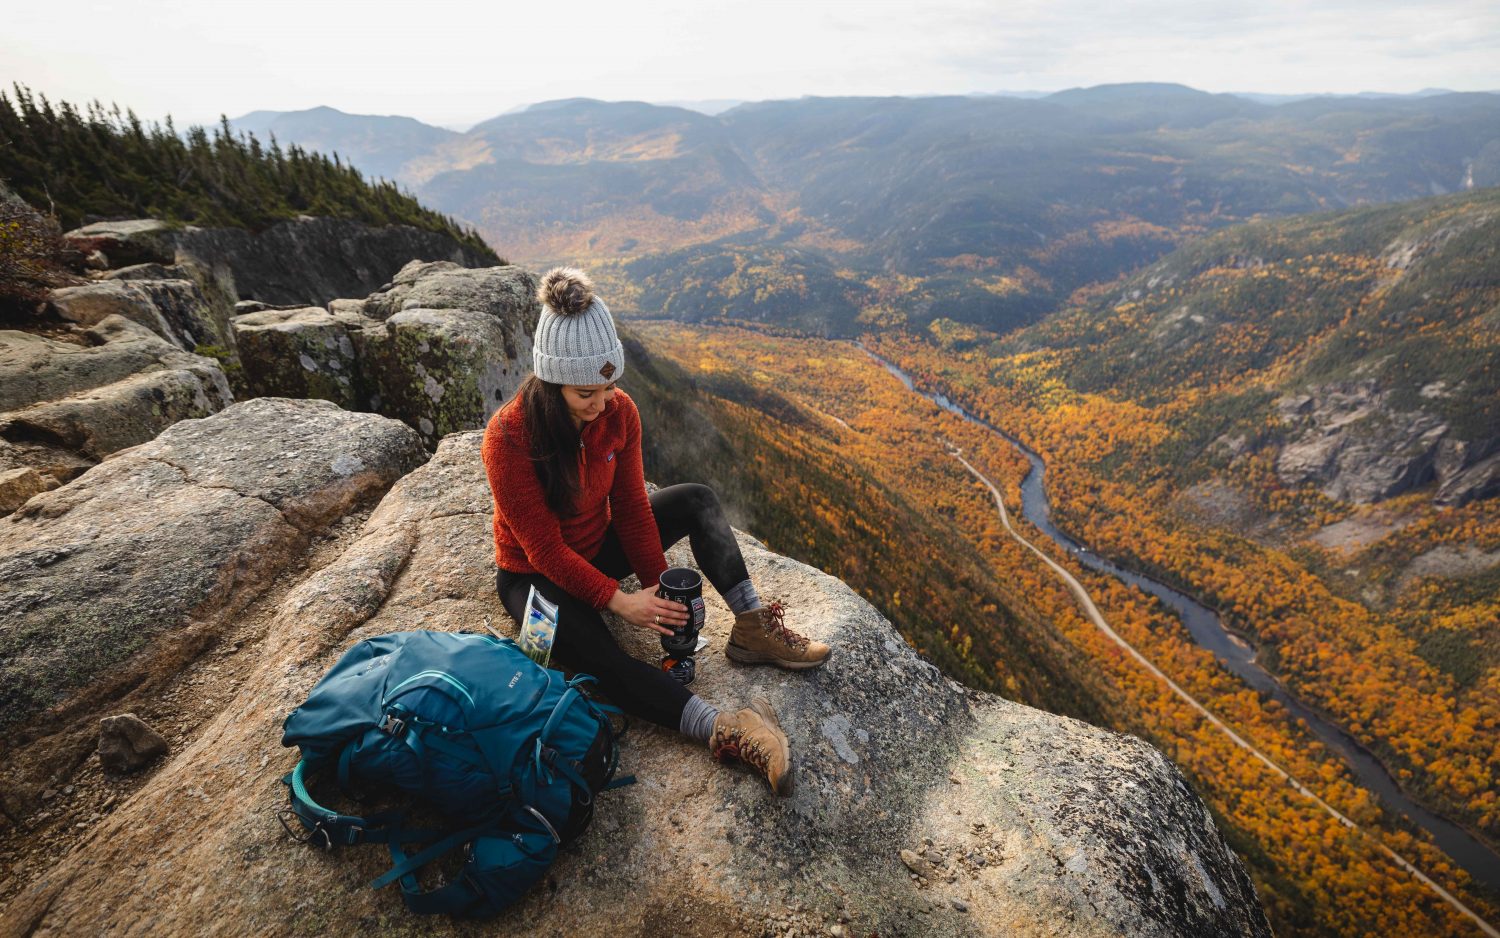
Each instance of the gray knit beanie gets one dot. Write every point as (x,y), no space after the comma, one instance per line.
(575,339)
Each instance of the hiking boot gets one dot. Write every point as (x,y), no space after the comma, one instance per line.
(754,737)
(760,636)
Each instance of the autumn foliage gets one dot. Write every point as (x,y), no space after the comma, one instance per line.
(864,487)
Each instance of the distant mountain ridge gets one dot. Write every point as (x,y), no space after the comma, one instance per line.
(378,145)
(264,120)
(982,209)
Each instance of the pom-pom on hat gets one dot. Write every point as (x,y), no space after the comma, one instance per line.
(575,339)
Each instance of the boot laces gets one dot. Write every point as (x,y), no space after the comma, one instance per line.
(774,619)
(735,745)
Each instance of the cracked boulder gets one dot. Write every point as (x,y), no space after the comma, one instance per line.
(919,808)
(65,405)
(304,353)
(19,484)
(453,344)
(127,743)
(175,309)
(110,583)
(503,292)
(440,370)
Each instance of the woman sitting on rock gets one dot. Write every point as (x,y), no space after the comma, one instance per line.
(572,517)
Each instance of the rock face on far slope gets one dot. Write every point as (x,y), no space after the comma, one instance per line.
(1018,822)
(334,257)
(110,583)
(1349,441)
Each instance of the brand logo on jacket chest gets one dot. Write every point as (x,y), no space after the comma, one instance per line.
(610,457)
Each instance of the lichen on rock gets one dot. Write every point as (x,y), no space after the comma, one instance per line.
(445,346)
(303,353)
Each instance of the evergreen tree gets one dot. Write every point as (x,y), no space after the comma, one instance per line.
(99,162)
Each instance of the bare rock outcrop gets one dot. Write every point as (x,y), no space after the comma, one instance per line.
(440,347)
(175,309)
(334,257)
(68,402)
(108,584)
(304,353)
(1025,823)
(1356,447)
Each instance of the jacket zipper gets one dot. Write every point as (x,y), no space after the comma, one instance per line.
(582,451)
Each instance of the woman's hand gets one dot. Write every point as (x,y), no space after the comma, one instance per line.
(646,610)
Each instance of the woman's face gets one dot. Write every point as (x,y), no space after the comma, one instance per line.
(586,401)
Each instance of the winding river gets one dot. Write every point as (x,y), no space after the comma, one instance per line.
(1482,863)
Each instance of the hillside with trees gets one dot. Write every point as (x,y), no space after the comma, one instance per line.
(989,210)
(1186,411)
(852,469)
(83,165)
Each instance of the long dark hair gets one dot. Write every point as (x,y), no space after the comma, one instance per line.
(554,442)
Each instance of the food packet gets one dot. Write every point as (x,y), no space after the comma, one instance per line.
(539,628)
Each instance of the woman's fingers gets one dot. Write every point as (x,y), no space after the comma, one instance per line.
(657,625)
(671,612)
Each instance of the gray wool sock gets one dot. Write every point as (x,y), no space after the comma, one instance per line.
(697,720)
(742,598)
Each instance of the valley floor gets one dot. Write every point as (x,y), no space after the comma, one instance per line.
(846,417)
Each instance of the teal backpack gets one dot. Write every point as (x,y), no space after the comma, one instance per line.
(510,753)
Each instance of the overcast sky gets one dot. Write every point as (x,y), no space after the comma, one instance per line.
(448,62)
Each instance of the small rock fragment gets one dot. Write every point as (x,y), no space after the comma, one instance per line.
(126,743)
(960,905)
(916,864)
(18,485)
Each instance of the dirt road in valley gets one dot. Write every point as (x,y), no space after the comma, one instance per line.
(1091,610)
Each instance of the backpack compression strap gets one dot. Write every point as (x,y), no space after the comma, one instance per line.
(327,828)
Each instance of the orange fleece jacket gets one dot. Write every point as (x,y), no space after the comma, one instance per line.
(531,538)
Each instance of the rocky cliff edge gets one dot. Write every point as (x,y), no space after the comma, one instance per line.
(921,807)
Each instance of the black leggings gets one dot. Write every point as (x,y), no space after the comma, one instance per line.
(583,641)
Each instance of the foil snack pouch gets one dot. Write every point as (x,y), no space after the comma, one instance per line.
(539,628)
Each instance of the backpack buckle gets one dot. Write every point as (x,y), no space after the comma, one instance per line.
(320,832)
(315,834)
(552,831)
(392,725)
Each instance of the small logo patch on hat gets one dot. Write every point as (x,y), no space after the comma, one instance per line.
(607,370)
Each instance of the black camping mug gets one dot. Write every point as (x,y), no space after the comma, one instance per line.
(682,585)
